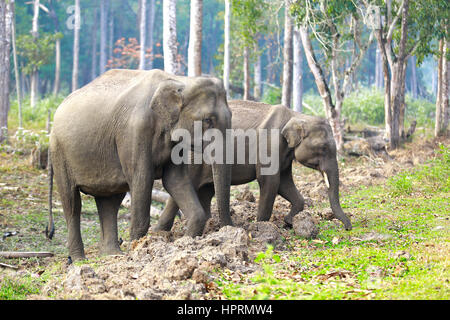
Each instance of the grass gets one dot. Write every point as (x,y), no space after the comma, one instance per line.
(398,248)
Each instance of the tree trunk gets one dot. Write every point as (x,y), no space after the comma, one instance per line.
(57,83)
(151,26)
(287,57)
(258,79)
(413,77)
(16,66)
(142,31)
(442,97)
(103,32)
(94,45)
(246,74)
(378,69)
(34,77)
(76,46)
(195,39)
(6,20)
(170,36)
(226,59)
(322,87)
(297,81)
(110,33)
(446,90)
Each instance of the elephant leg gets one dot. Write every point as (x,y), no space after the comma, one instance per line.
(288,190)
(179,186)
(71,203)
(268,186)
(205,195)
(165,221)
(108,208)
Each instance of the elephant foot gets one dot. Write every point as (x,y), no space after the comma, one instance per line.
(110,251)
(76,257)
(288,221)
(161,227)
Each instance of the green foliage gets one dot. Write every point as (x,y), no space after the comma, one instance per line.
(272,95)
(34,118)
(432,177)
(367,106)
(36,53)
(11,289)
(248,19)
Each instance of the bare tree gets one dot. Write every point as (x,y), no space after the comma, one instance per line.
(297,81)
(170,36)
(76,46)
(226,60)
(142,32)
(6,18)
(195,39)
(287,57)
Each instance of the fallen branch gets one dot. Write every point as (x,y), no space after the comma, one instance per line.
(8,266)
(12,254)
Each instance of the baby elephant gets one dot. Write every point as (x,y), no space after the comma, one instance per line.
(307,139)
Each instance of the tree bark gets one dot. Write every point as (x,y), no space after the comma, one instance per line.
(297,81)
(195,39)
(287,57)
(142,32)
(76,46)
(103,35)
(6,18)
(170,36)
(226,58)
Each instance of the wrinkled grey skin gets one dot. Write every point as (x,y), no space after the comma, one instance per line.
(306,139)
(114,136)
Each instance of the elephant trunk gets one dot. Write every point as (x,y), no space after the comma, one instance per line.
(331,176)
(222,181)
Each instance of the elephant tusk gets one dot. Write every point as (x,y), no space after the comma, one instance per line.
(325,177)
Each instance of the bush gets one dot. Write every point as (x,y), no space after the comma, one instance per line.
(36,118)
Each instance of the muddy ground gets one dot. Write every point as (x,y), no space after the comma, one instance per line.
(167,265)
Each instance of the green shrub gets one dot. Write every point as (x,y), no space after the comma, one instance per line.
(272,95)
(33,118)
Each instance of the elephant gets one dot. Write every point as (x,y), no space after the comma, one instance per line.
(114,135)
(306,139)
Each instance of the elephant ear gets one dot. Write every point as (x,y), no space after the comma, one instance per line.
(294,132)
(167,101)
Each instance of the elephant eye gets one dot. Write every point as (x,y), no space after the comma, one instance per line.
(207,121)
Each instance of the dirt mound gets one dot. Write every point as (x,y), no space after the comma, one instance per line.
(158,267)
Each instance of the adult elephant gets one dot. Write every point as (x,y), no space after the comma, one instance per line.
(306,139)
(114,135)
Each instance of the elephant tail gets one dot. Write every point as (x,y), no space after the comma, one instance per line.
(50,228)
